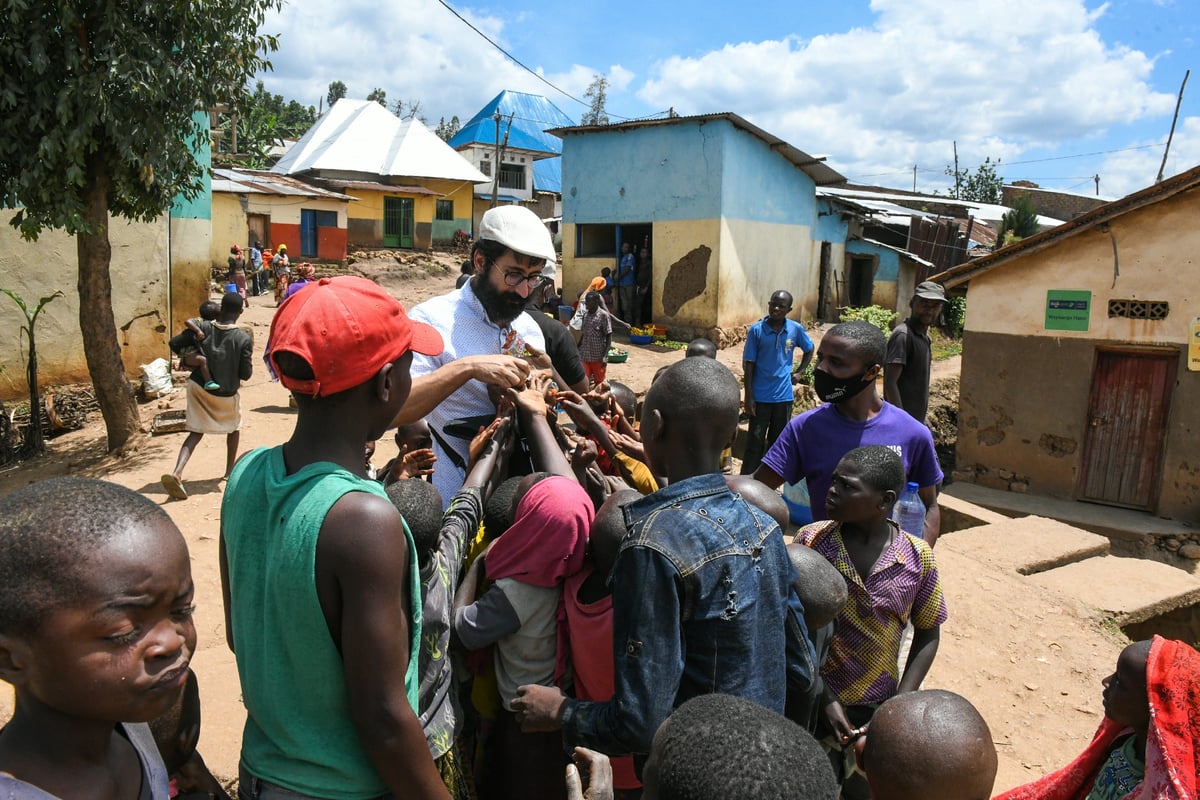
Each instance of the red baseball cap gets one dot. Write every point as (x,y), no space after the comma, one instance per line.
(346,329)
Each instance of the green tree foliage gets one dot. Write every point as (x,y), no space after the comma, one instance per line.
(597,96)
(337,90)
(96,119)
(981,186)
(447,130)
(263,121)
(1020,222)
(379,96)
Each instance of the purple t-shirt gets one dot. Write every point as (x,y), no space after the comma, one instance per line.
(813,443)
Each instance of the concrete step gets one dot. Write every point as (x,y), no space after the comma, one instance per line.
(1132,590)
(1025,545)
(1115,523)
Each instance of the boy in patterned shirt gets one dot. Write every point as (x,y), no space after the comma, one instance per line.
(892,577)
(595,339)
(441,543)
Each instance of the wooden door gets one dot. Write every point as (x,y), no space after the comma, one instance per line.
(1126,426)
(257,227)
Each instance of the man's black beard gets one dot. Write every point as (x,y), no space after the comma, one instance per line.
(501,307)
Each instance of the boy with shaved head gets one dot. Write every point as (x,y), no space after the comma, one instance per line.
(929,744)
(702,594)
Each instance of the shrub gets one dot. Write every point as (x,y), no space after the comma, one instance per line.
(955,315)
(880,317)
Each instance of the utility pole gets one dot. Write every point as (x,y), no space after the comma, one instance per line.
(1162,168)
(914,178)
(957,194)
(496,165)
(1097,180)
(500,148)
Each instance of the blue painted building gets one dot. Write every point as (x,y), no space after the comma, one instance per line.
(728,212)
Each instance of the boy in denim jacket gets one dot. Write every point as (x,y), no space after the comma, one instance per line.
(703,600)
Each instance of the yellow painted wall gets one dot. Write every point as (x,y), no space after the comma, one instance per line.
(370,202)
(228,225)
(760,258)
(1158,249)
(36,269)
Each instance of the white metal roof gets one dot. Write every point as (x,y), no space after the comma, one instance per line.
(984,211)
(361,136)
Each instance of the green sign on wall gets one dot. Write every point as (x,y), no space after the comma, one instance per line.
(1068,310)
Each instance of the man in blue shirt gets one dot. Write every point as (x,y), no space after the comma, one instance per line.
(767,361)
(626,283)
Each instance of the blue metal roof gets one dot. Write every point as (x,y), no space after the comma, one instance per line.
(547,175)
(532,115)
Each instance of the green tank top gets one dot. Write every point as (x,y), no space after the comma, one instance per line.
(298,731)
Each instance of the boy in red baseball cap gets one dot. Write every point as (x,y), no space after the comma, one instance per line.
(319,573)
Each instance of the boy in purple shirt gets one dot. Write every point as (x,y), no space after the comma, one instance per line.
(849,361)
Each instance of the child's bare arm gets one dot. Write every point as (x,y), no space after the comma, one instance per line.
(195,328)
(920,658)
(364,586)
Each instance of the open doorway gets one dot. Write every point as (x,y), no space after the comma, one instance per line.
(860,281)
(638,236)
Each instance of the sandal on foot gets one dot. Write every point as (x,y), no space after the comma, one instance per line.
(174,487)
(212,386)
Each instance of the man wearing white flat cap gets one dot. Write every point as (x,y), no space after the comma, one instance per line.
(485,335)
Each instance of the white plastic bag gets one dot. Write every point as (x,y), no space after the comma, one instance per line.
(156,378)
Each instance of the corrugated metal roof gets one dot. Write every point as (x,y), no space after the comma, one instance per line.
(900,250)
(547,175)
(816,168)
(364,137)
(963,273)
(532,116)
(240,181)
(985,211)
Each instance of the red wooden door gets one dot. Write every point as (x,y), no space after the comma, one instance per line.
(1127,423)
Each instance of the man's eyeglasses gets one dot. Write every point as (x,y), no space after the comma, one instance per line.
(515,279)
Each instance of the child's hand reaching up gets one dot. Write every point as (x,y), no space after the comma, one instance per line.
(592,768)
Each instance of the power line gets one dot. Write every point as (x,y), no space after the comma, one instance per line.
(517,61)
(1027,161)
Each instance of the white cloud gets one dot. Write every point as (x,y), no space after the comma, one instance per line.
(1130,170)
(414,50)
(998,76)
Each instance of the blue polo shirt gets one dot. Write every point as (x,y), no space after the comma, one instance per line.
(772,354)
(629,277)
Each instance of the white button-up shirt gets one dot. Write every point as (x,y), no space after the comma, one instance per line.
(466,331)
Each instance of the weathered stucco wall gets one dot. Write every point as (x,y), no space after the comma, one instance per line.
(37,269)
(1025,390)
(758,259)
(1158,253)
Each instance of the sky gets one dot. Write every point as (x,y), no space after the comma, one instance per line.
(1059,90)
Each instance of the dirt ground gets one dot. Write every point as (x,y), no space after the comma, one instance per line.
(1029,660)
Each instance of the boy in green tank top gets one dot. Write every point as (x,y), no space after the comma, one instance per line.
(318,570)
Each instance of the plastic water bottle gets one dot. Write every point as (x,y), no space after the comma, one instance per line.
(910,511)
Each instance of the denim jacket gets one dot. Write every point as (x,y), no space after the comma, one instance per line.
(703,602)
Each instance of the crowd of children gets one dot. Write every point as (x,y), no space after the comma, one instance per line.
(599,612)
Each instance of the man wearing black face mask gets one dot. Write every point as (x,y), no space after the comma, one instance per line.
(849,361)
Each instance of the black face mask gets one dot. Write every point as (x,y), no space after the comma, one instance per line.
(835,390)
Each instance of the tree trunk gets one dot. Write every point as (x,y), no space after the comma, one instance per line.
(114,394)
